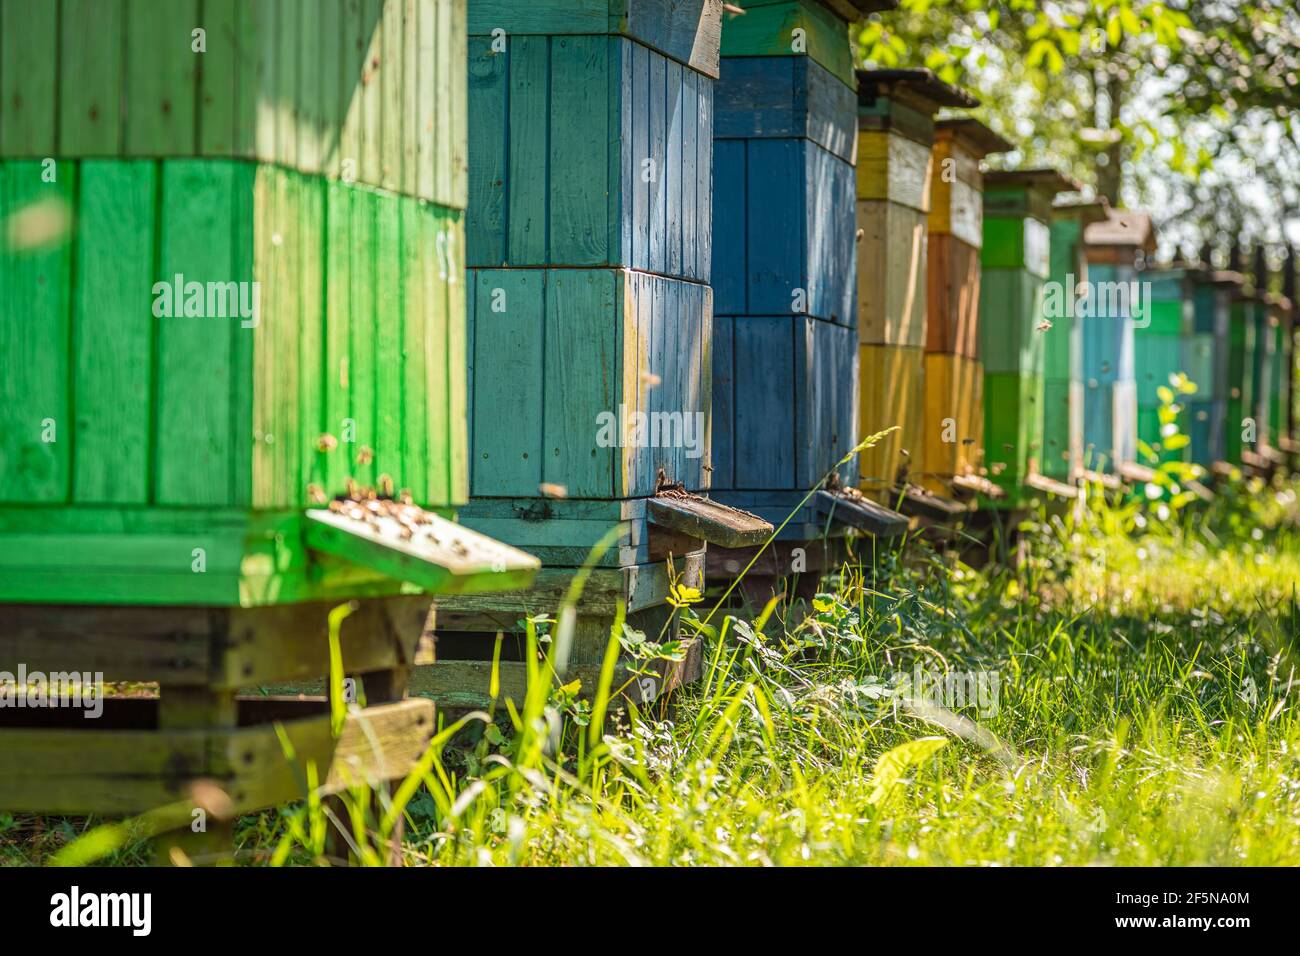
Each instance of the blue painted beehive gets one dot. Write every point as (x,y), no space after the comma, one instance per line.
(1115,249)
(785,287)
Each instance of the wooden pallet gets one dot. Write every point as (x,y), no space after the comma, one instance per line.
(143,754)
(466,629)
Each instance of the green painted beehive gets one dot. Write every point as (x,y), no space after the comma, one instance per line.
(1017,319)
(205,345)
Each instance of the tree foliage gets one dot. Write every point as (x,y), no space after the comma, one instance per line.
(1185,107)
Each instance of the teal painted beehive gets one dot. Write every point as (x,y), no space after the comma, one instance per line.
(1063,387)
(1116,249)
(589,245)
(1205,357)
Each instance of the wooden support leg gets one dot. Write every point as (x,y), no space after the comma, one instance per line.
(210,837)
(379,687)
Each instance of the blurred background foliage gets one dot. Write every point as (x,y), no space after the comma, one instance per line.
(1186,108)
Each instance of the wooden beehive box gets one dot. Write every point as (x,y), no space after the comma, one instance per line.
(590,233)
(1116,248)
(896,132)
(224,342)
(953,428)
(1158,349)
(1206,357)
(231,272)
(371,91)
(1016,321)
(1063,388)
(784,266)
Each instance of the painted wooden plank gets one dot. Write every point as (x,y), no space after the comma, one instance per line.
(764,414)
(730,241)
(451,60)
(194,386)
(416,394)
(276,371)
(891,263)
(338,336)
(391,73)
(723,445)
(311,251)
(704,183)
(161,79)
(775,188)
(90,86)
(220,77)
(578,306)
(830,237)
(690,176)
(362,369)
(452,224)
(578,194)
(38,437)
(639,135)
(509,329)
(292,144)
(891,394)
(388,340)
(323,75)
(486,220)
(370,165)
(529,100)
(952,296)
(675,168)
(29,40)
(113,331)
(654,163)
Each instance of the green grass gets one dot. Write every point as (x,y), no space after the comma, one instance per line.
(1145,714)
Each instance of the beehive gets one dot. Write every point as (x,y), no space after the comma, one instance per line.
(785,269)
(1205,357)
(230,298)
(370,91)
(589,234)
(215,336)
(953,425)
(1167,321)
(1018,318)
(1115,248)
(1063,387)
(896,135)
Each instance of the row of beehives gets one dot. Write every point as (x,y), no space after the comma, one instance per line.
(567,276)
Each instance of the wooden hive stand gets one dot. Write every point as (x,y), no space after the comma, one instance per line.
(232,297)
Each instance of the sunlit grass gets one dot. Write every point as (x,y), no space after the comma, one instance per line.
(1145,714)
